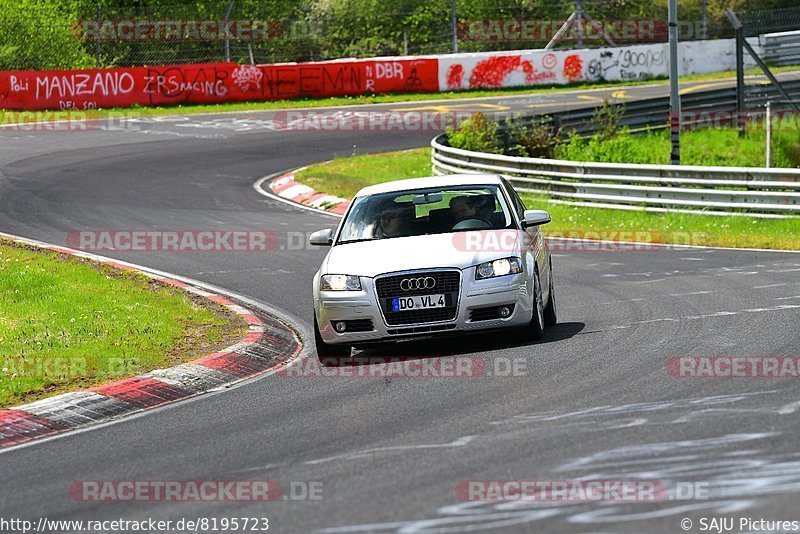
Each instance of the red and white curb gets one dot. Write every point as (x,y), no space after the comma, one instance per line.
(288,188)
(269,344)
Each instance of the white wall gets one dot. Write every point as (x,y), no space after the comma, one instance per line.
(626,63)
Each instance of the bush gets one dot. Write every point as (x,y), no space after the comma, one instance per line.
(478,134)
(606,119)
(624,148)
(538,140)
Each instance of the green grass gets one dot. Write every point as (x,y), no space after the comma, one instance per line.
(67,324)
(678,228)
(138,111)
(345,176)
(698,147)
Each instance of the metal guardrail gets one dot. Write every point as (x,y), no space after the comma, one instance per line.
(720,189)
(756,191)
(781,48)
(652,113)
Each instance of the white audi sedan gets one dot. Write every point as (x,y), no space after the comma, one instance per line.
(432,256)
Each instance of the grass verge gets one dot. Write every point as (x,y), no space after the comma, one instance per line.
(729,150)
(67,323)
(345,176)
(138,111)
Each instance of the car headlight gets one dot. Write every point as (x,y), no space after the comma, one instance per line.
(500,267)
(339,282)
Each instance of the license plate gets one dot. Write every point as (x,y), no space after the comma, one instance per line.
(422,302)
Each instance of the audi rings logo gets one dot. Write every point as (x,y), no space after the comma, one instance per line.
(410,284)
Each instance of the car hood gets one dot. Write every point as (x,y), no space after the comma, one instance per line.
(371,258)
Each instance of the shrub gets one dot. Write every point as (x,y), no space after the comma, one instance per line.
(478,134)
(537,140)
(606,119)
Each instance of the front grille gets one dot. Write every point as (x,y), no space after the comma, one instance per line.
(447,283)
(359,325)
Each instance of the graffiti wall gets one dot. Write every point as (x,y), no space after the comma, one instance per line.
(227,82)
(544,67)
(212,83)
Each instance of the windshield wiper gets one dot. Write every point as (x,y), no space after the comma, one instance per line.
(356,241)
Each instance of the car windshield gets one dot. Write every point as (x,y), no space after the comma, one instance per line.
(425,211)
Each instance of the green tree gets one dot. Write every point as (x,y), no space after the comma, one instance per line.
(40,35)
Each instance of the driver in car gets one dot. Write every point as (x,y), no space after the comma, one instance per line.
(395,220)
(463,208)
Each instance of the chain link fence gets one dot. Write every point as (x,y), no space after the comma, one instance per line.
(44,34)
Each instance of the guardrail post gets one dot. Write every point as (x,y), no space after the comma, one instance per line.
(769,133)
(674,96)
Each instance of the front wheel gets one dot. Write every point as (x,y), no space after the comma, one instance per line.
(326,352)
(535,329)
(550,316)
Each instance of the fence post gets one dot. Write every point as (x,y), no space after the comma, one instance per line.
(228,32)
(703,20)
(454,24)
(99,14)
(740,88)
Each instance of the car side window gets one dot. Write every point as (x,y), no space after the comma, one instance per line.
(519,206)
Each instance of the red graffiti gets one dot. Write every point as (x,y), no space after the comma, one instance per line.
(573,68)
(530,72)
(211,83)
(455,76)
(492,71)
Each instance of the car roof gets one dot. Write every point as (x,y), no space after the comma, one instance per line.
(430,181)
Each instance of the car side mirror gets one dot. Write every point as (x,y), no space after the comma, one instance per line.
(321,238)
(535,218)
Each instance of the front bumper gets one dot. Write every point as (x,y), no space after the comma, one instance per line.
(361,309)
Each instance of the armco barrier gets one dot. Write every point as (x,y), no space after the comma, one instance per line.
(212,83)
(714,107)
(781,48)
(720,189)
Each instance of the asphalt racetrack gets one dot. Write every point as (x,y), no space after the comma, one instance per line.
(594,400)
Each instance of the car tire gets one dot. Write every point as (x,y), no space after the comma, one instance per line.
(535,329)
(327,353)
(550,316)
